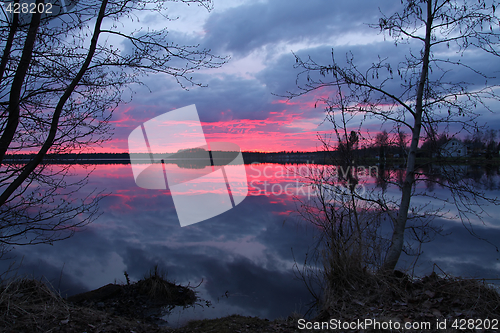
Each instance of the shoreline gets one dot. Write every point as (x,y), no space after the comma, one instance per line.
(31,305)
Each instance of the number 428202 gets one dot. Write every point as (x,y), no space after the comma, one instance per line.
(29,8)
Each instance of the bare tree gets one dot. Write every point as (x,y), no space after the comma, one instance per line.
(420,93)
(348,245)
(61,76)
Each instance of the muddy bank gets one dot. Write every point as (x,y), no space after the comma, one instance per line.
(147,300)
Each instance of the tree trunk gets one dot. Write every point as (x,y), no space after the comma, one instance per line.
(8,44)
(17,83)
(397,241)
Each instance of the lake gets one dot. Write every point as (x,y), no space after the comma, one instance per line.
(242,259)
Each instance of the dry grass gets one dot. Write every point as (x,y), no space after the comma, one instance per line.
(399,298)
(30,305)
(156,286)
(20,302)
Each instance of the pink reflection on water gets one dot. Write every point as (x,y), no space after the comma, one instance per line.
(281,184)
(263,179)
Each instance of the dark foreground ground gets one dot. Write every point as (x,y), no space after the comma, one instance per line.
(28,305)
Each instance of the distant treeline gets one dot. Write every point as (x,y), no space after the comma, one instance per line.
(81,158)
(124,158)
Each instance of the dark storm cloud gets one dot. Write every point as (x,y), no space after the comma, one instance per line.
(226,98)
(242,98)
(229,97)
(250,26)
(281,75)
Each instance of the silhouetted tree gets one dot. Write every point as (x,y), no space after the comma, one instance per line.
(61,76)
(382,143)
(418,92)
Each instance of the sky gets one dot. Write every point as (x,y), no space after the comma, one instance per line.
(244,100)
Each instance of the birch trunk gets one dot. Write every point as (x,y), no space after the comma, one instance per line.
(397,241)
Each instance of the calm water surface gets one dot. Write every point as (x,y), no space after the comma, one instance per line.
(243,258)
